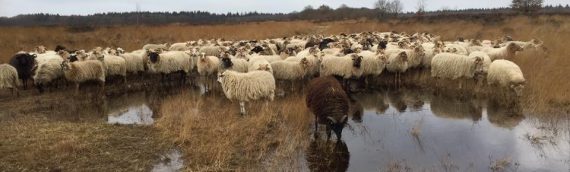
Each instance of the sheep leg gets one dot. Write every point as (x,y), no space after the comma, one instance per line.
(25,82)
(242,108)
(102,85)
(316,134)
(328,133)
(76,88)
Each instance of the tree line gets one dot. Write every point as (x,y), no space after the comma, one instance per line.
(382,9)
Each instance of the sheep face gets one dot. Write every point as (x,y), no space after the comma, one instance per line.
(227,62)
(382,45)
(40,49)
(383,58)
(221,77)
(514,48)
(264,67)
(403,56)
(337,125)
(73,57)
(518,88)
(304,63)
(356,61)
(65,65)
(154,57)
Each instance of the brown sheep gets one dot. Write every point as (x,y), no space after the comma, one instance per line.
(328,101)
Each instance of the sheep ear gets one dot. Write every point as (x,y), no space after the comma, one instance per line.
(331,119)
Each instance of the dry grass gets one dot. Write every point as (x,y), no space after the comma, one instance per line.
(34,144)
(215,138)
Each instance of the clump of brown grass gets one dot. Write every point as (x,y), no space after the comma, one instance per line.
(36,144)
(500,164)
(214,137)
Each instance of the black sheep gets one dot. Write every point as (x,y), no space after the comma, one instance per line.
(24,64)
(329,103)
(325,43)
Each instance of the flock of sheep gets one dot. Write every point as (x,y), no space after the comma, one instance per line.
(248,69)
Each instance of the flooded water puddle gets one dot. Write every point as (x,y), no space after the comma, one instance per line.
(170,162)
(139,115)
(407,130)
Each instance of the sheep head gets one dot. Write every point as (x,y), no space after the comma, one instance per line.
(304,63)
(154,57)
(65,65)
(40,49)
(202,57)
(513,48)
(356,60)
(221,77)
(264,67)
(227,62)
(382,57)
(336,125)
(403,56)
(518,88)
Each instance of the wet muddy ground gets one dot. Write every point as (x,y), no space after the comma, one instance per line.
(389,129)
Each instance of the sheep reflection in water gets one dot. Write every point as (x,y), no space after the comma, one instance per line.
(453,107)
(327,156)
(505,117)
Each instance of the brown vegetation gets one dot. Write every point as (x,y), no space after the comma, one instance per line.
(215,138)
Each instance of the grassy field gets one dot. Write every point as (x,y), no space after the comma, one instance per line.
(37,134)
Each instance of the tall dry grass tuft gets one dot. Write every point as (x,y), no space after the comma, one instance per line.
(215,138)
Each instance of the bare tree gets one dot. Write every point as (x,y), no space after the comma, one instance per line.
(421,6)
(527,6)
(395,7)
(381,5)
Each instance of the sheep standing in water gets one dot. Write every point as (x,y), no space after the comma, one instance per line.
(328,101)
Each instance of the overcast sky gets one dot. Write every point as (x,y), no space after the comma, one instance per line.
(68,7)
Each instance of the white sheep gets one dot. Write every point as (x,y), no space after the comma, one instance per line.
(245,87)
(372,63)
(486,59)
(290,70)
(115,66)
(81,71)
(170,62)
(314,62)
(258,62)
(454,66)
(398,64)
(156,46)
(134,61)
(233,63)
(9,78)
(48,72)
(506,74)
(506,52)
(346,66)
(211,50)
(207,67)
(180,46)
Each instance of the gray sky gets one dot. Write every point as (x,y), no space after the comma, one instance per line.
(68,7)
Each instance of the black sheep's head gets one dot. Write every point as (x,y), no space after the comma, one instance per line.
(73,57)
(382,45)
(154,57)
(356,61)
(336,125)
(227,62)
(59,47)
